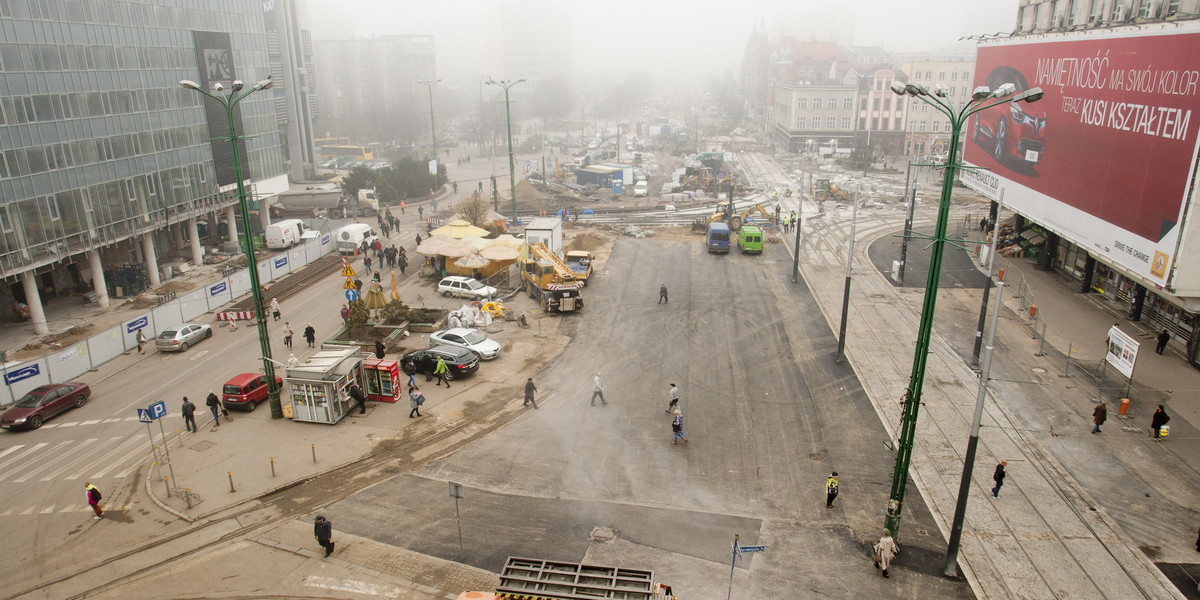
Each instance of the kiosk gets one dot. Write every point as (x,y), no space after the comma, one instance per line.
(321,385)
(383,380)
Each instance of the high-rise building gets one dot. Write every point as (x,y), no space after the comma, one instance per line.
(370,91)
(106,163)
(534,41)
(290,49)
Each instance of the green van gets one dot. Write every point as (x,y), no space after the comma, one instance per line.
(750,239)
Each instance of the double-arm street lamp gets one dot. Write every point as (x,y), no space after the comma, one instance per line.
(512,167)
(982,99)
(228,102)
(428,83)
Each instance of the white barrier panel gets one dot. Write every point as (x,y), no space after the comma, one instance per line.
(239,283)
(130,328)
(280,266)
(69,363)
(219,294)
(193,304)
(265,272)
(24,377)
(107,345)
(165,317)
(296,259)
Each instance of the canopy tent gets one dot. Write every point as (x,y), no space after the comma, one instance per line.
(460,229)
(472,261)
(500,253)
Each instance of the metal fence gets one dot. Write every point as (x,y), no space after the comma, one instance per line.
(89,354)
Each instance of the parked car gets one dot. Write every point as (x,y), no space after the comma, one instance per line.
(43,402)
(181,337)
(466,287)
(460,361)
(471,339)
(245,391)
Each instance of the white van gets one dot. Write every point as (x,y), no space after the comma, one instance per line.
(641,188)
(351,237)
(284,234)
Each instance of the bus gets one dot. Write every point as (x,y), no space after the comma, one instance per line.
(339,151)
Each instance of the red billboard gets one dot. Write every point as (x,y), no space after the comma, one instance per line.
(1114,138)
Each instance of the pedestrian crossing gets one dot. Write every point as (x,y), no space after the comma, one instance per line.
(60,508)
(67,424)
(82,459)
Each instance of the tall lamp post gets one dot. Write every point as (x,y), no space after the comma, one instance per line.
(982,99)
(428,83)
(228,102)
(512,167)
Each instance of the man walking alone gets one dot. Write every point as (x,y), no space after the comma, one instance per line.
(189,415)
(662,294)
(1099,416)
(598,390)
(998,477)
(214,405)
(440,372)
(672,398)
(831,489)
(529,390)
(323,530)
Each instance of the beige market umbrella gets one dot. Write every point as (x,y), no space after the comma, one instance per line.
(499,253)
(475,243)
(374,297)
(433,247)
(472,261)
(460,229)
(453,250)
(508,240)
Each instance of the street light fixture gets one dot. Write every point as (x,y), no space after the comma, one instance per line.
(428,83)
(228,102)
(512,167)
(981,99)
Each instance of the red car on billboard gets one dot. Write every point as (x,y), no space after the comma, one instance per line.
(1015,131)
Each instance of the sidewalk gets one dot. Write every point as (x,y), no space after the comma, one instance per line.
(1045,537)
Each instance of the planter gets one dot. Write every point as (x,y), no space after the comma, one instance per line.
(437,324)
(387,333)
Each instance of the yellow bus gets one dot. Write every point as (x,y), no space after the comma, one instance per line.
(339,151)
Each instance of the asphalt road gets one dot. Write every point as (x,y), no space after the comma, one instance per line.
(768,413)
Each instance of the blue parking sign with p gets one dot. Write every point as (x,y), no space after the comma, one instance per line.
(158,410)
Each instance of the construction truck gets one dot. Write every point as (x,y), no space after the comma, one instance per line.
(735,222)
(328,202)
(580,263)
(550,281)
(830,191)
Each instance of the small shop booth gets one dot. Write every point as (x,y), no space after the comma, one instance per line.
(383,380)
(320,385)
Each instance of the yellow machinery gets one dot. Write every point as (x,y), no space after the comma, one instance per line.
(830,191)
(735,223)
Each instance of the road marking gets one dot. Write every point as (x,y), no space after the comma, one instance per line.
(79,458)
(61,425)
(18,468)
(57,458)
(92,422)
(114,420)
(197,355)
(118,462)
(23,454)
(28,511)
(49,425)
(12,449)
(47,510)
(349,585)
(76,475)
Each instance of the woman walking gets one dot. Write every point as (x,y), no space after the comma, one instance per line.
(275,309)
(677,427)
(415,400)
(885,550)
(287,334)
(310,336)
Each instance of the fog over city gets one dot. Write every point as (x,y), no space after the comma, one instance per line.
(677,43)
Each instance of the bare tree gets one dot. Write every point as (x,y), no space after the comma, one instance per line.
(473,209)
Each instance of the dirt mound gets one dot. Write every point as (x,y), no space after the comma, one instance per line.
(178,286)
(588,241)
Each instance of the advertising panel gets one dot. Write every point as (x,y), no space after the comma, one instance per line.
(1104,159)
(214,56)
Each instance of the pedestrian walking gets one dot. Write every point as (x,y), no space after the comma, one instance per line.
(440,372)
(1099,416)
(677,427)
(415,400)
(529,390)
(885,550)
(288,332)
(1163,338)
(141,341)
(831,489)
(357,393)
(93,498)
(598,390)
(1159,419)
(662,294)
(998,477)
(189,415)
(983,224)
(420,212)
(401,207)
(310,334)
(323,530)
(275,309)
(214,406)
(418,239)
(367,265)
(213,398)
(672,398)
(379,349)
(410,369)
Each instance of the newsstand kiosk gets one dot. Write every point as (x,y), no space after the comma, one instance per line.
(383,380)
(321,385)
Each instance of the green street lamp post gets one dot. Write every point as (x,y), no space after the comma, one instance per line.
(428,83)
(512,167)
(228,102)
(981,99)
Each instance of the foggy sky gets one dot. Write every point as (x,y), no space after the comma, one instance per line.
(672,40)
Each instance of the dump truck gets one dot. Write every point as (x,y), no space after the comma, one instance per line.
(580,263)
(550,281)
(328,202)
(830,191)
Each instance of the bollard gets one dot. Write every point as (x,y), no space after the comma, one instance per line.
(1124,406)
(187,496)
(167,484)
(231,482)
(272,466)
(178,436)
(314,451)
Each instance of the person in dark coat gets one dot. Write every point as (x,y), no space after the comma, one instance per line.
(359,397)
(662,294)
(214,405)
(310,335)
(1163,338)
(189,415)
(415,400)
(529,390)
(379,349)
(323,530)
(1099,416)
(998,477)
(1159,419)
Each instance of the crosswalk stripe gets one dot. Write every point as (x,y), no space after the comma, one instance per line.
(58,458)
(17,469)
(11,450)
(79,458)
(7,513)
(47,510)
(131,454)
(131,442)
(24,454)
(69,424)
(50,425)
(91,422)
(28,511)
(112,420)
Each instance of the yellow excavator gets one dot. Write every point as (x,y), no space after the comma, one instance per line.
(735,222)
(830,191)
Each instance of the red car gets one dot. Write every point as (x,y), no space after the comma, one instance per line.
(245,391)
(1015,131)
(43,402)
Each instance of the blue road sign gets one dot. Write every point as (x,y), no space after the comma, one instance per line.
(218,289)
(352,295)
(744,549)
(279,262)
(22,374)
(158,410)
(144,415)
(137,324)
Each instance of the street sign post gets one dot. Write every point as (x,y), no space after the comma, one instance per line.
(155,412)
(737,551)
(456,492)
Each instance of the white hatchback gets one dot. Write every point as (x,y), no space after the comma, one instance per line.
(467,287)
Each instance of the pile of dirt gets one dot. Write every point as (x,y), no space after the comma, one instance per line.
(588,241)
(179,286)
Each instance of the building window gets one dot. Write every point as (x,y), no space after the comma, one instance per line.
(921,126)
(954,76)
(845,122)
(5,220)
(800,122)
(52,208)
(831,103)
(816,103)
(936,127)
(802,103)
(831,123)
